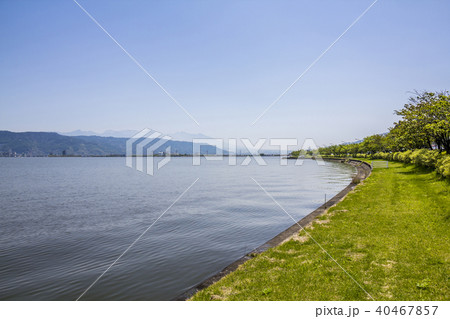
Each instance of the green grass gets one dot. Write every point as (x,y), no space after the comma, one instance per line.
(391,234)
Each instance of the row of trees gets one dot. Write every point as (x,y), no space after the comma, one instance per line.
(424,124)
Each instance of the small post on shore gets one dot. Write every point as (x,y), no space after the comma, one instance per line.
(325,200)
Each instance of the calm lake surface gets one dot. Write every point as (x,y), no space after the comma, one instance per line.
(65,220)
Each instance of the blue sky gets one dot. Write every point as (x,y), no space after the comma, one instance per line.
(224,61)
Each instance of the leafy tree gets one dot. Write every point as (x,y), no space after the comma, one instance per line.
(425,120)
(374,143)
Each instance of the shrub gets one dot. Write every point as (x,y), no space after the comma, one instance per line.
(420,157)
(443,166)
(405,156)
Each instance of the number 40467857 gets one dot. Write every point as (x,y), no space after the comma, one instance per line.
(407,310)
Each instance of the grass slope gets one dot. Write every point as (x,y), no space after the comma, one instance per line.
(391,234)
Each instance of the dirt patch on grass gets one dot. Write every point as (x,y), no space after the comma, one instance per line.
(297,237)
(273,260)
(386,292)
(225,292)
(355,256)
(389,264)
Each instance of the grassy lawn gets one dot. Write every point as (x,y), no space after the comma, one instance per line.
(391,234)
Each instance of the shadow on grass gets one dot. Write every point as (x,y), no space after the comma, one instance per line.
(416,170)
(420,170)
(447,217)
(446,180)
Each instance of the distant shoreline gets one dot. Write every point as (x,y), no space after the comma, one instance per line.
(172,155)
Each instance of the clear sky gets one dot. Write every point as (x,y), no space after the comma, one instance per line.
(224,61)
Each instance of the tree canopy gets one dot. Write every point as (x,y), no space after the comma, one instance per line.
(424,124)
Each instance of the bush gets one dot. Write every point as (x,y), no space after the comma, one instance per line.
(426,158)
(443,166)
(405,156)
(421,157)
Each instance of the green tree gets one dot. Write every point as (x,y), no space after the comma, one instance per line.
(374,143)
(425,120)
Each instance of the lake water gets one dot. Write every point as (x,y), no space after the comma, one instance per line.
(65,220)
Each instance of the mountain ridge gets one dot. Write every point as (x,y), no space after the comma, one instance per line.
(52,143)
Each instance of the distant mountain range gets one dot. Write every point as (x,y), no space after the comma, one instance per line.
(48,143)
(178,136)
(108,133)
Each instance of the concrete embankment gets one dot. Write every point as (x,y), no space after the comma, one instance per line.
(363,171)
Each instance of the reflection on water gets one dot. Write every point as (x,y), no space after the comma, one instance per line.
(65,220)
